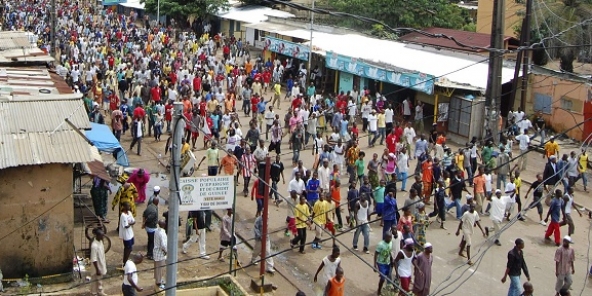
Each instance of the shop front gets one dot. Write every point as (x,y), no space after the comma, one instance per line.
(394,83)
(293,56)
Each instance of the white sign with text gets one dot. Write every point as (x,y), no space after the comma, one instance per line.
(206,193)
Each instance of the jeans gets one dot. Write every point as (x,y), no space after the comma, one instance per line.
(365,230)
(498,183)
(541,133)
(150,246)
(295,155)
(564,281)
(307,137)
(117,135)
(403,177)
(157,131)
(455,203)
(273,191)
(382,134)
(584,179)
(246,181)
(351,170)
(515,286)
(137,140)
(386,226)
(372,139)
(469,175)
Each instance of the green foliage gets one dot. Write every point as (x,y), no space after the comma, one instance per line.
(402,13)
(379,31)
(567,17)
(183,8)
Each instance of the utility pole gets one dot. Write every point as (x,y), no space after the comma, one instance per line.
(310,43)
(494,78)
(526,55)
(174,201)
(263,287)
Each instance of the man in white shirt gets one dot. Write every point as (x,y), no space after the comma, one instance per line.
(409,134)
(406,109)
(372,128)
(523,142)
(468,221)
(126,232)
(324,175)
(389,114)
(497,213)
(269,118)
(297,184)
(568,202)
(130,276)
(97,257)
(159,253)
(366,109)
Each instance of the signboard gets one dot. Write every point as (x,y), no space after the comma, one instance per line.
(291,49)
(414,80)
(206,193)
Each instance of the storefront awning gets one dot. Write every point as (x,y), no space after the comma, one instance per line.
(397,57)
(135,4)
(252,14)
(284,30)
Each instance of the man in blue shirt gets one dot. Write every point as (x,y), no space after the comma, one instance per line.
(555,210)
(289,85)
(312,189)
(389,212)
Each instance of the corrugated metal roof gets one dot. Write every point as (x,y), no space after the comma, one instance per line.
(26,132)
(21,47)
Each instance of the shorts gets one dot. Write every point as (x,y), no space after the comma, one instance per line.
(194,135)
(266,84)
(319,230)
(292,225)
(225,244)
(212,170)
(128,244)
(384,270)
(405,283)
(467,238)
(330,226)
(379,209)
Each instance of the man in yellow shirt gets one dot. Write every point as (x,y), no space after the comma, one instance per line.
(277,88)
(582,166)
(381,123)
(319,212)
(302,215)
(551,148)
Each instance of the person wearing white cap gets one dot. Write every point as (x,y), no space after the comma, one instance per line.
(423,271)
(403,263)
(498,211)
(564,265)
(467,224)
(156,194)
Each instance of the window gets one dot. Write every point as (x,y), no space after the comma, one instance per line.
(542,102)
(566,104)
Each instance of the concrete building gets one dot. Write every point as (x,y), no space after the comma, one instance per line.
(38,150)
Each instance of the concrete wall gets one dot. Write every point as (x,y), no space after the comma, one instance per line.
(567,100)
(44,245)
(513,16)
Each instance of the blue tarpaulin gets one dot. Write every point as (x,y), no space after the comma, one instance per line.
(102,138)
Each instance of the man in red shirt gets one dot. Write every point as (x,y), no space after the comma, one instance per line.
(197,85)
(391,141)
(111,61)
(173,77)
(266,80)
(155,94)
(226,51)
(113,101)
(297,102)
(139,112)
(254,101)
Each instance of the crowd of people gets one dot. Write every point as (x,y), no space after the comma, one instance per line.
(130,73)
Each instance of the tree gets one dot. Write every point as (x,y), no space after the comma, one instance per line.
(402,13)
(571,18)
(184,8)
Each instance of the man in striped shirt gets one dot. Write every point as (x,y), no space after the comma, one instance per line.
(249,165)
